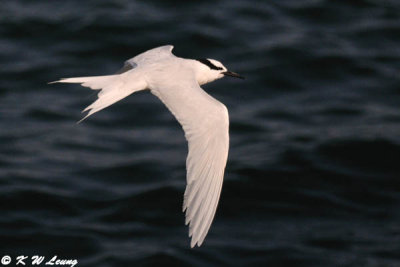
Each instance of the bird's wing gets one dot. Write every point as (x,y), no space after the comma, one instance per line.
(128,65)
(151,55)
(206,124)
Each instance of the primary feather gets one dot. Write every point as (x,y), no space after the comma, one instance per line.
(176,82)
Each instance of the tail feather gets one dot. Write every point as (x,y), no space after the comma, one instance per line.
(113,88)
(94,82)
(104,101)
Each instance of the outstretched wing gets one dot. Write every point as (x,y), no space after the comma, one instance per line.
(151,55)
(206,124)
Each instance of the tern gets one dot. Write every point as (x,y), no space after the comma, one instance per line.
(176,82)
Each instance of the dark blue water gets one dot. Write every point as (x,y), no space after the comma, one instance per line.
(313,176)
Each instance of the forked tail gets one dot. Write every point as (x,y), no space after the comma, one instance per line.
(113,88)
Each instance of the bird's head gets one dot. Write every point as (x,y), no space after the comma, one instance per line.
(209,70)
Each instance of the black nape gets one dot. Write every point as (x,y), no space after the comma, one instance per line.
(208,63)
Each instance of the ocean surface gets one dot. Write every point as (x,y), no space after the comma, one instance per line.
(313,175)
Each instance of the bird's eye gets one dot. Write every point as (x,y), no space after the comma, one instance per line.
(209,64)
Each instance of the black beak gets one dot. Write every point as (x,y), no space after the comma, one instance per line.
(232,74)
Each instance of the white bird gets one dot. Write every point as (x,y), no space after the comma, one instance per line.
(176,82)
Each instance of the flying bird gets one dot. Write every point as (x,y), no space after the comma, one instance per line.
(176,82)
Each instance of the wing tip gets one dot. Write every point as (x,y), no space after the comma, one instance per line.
(167,47)
(170,47)
(195,242)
